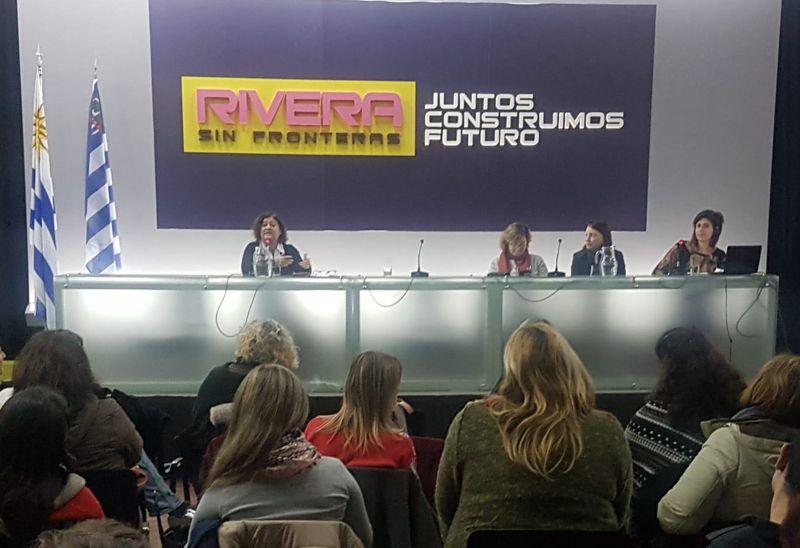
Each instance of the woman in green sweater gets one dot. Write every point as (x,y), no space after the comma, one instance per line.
(536,454)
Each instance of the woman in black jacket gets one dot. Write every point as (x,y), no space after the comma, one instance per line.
(270,238)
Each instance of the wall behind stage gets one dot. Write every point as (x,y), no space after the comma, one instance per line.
(713,101)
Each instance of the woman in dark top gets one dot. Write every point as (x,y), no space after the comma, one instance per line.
(696,383)
(700,252)
(585,262)
(259,342)
(270,236)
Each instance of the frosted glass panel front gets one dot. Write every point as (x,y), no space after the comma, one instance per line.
(161,335)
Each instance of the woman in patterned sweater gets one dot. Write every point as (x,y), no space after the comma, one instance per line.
(696,383)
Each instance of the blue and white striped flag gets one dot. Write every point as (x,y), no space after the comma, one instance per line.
(102,235)
(43,213)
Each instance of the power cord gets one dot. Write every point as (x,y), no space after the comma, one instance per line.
(543,299)
(249,308)
(390,305)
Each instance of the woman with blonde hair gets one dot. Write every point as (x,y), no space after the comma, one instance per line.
(730,478)
(515,259)
(536,454)
(364,432)
(266,469)
(259,342)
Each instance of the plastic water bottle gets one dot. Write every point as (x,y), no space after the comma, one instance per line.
(262,262)
(607,261)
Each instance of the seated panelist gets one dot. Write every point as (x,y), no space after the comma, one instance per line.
(700,252)
(515,259)
(270,236)
(585,262)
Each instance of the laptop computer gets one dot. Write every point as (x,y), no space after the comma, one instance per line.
(742,259)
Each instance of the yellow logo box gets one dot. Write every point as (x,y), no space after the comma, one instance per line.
(285,116)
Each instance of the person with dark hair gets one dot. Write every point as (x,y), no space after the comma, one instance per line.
(271,238)
(700,253)
(585,262)
(782,529)
(729,479)
(696,384)
(36,489)
(100,434)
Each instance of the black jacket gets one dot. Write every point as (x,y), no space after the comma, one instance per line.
(583,260)
(288,249)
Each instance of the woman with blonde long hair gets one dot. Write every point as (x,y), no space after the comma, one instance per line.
(536,454)
(364,432)
(266,469)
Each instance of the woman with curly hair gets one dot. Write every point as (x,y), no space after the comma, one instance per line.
(730,478)
(696,384)
(259,342)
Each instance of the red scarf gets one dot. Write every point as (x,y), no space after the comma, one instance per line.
(523,263)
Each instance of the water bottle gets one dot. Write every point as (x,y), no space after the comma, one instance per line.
(263,262)
(607,261)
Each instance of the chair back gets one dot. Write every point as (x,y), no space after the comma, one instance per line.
(397,509)
(429,453)
(548,539)
(117,493)
(287,534)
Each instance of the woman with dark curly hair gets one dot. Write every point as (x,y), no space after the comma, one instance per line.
(271,238)
(696,384)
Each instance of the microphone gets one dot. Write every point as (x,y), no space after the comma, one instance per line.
(419,273)
(556,273)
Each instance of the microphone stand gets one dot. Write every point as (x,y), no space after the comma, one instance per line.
(557,273)
(418,273)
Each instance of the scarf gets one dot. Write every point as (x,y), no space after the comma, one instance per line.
(523,263)
(294,454)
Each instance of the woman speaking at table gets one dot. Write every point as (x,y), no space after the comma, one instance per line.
(700,253)
(270,240)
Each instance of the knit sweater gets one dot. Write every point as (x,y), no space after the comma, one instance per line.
(657,442)
(479,487)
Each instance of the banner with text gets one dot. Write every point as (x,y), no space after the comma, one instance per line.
(353,115)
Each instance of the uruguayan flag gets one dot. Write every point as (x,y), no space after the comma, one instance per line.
(43,214)
(102,236)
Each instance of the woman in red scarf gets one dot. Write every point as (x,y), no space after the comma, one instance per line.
(515,259)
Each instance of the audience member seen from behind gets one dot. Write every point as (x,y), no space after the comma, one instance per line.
(700,252)
(585,262)
(782,529)
(696,384)
(94,533)
(266,469)
(100,436)
(365,432)
(270,236)
(259,342)
(730,478)
(36,490)
(536,454)
(515,259)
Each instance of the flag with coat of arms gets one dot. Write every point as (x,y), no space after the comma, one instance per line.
(103,254)
(43,212)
